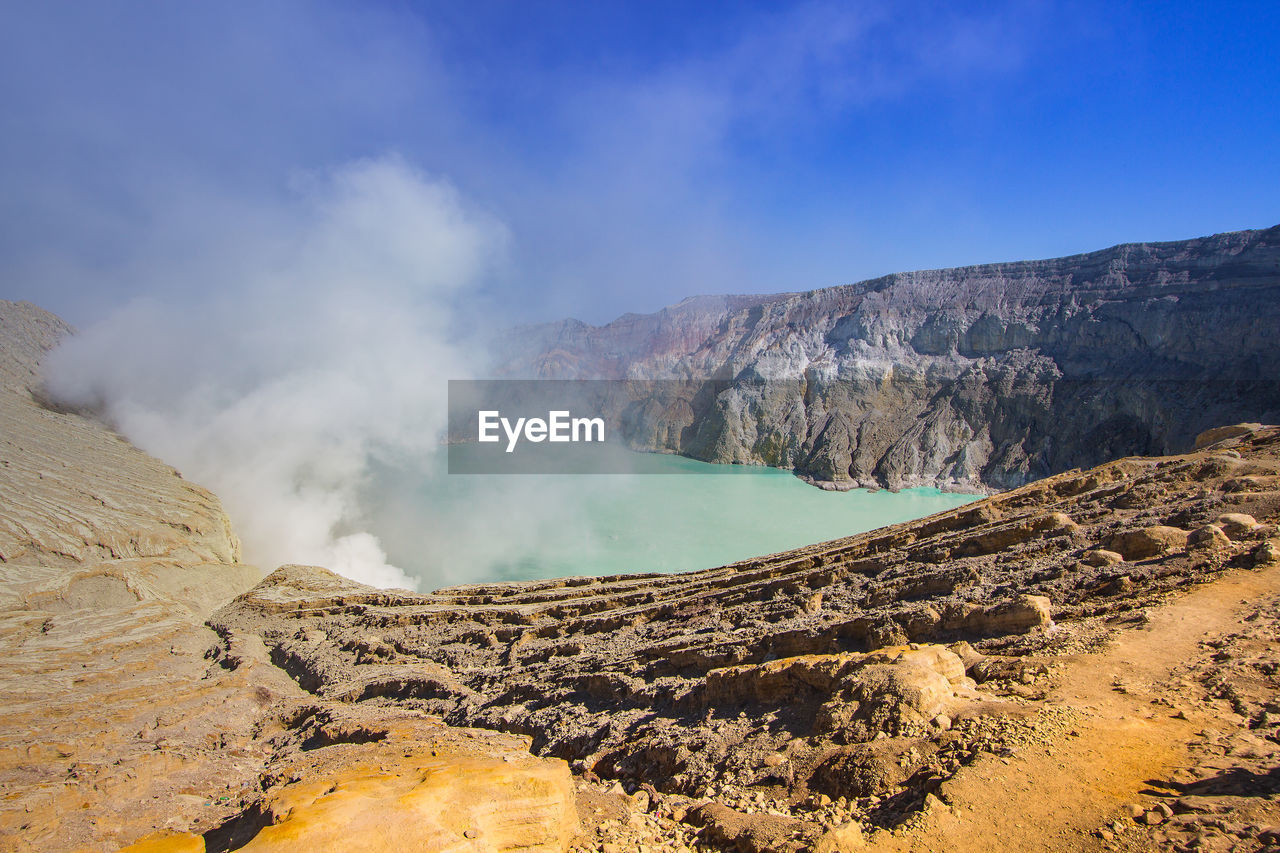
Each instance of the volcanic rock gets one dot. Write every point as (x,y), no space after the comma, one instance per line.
(975,378)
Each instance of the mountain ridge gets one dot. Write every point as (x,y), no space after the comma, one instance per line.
(974,378)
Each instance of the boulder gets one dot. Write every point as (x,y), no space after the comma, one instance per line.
(1266,554)
(1101,557)
(916,673)
(1148,542)
(1208,538)
(751,833)
(897,689)
(932,658)
(1238,525)
(457,804)
(853,694)
(869,769)
(1010,617)
(847,836)
(967,653)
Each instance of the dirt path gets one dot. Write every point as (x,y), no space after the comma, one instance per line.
(1053,799)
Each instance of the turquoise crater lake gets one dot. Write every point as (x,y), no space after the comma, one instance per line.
(453,529)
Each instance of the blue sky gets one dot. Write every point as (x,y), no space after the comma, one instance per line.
(632,153)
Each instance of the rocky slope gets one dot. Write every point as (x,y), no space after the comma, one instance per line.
(798,700)
(117,724)
(977,377)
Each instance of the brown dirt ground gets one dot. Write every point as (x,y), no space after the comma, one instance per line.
(1137,724)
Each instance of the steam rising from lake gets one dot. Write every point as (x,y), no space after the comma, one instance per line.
(317,338)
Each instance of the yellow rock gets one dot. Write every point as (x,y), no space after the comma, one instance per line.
(163,842)
(844,837)
(478,804)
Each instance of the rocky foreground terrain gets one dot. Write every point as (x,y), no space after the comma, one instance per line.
(1086,662)
(975,378)
(125,720)
(849,689)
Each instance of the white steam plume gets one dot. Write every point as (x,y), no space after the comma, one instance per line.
(298,343)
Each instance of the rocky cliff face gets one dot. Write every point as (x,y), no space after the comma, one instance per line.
(980,377)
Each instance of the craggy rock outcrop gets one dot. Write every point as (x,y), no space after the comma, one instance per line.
(125,721)
(834,670)
(973,378)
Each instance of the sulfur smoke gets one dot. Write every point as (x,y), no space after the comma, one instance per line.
(297,344)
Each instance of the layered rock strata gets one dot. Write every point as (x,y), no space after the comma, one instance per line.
(973,378)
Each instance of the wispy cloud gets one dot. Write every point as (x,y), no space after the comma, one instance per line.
(628,181)
(660,179)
